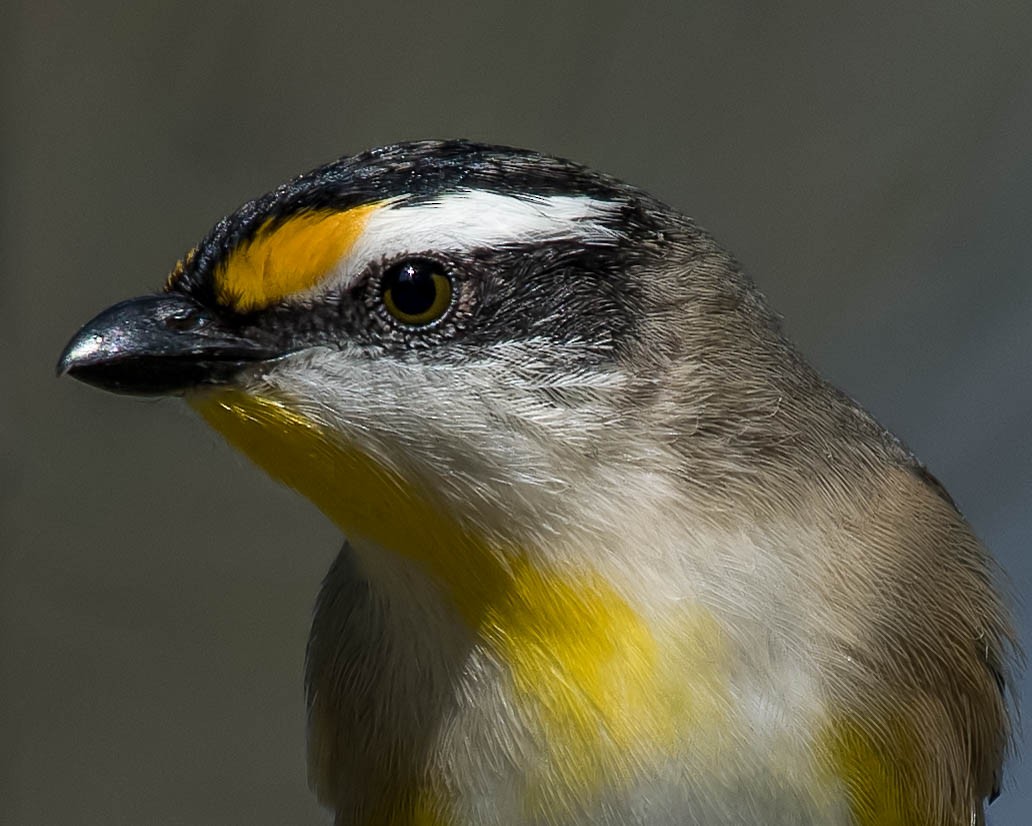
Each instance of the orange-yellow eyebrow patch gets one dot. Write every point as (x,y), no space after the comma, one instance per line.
(288,257)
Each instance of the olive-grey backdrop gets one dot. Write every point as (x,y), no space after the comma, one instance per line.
(870,166)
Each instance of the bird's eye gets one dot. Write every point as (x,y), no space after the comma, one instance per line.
(416,291)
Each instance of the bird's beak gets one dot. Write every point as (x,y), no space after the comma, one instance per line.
(159,345)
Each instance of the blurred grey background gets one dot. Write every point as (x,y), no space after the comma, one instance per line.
(871,167)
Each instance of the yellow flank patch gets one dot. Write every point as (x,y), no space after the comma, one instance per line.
(881,793)
(408,808)
(288,257)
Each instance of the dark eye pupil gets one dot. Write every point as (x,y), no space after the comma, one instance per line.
(412,286)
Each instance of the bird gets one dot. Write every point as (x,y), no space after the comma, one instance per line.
(615,553)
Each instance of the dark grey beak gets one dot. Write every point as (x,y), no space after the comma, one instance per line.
(158,345)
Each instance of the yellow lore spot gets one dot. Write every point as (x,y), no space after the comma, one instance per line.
(288,257)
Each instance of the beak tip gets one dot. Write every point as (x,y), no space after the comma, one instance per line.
(78,352)
(143,347)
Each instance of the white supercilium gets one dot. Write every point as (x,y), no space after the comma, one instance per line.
(469,219)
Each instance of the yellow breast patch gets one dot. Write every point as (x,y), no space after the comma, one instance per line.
(288,257)
(610,689)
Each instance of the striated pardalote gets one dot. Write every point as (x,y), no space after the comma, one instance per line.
(615,553)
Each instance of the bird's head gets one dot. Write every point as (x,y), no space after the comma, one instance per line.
(440,339)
